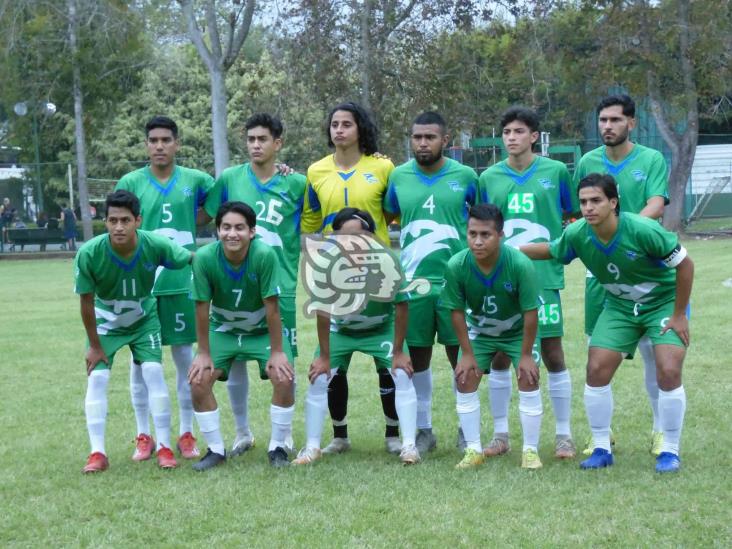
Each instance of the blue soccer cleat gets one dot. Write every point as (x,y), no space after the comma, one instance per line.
(666,462)
(599,459)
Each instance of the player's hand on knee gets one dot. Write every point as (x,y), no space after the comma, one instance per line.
(279,368)
(466,367)
(94,356)
(401,361)
(680,325)
(528,372)
(201,368)
(319,366)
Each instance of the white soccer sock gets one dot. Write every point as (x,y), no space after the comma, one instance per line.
(183,357)
(405,401)
(159,401)
(95,405)
(209,423)
(599,409)
(530,412)
(499,392)
(671,408)
(140,399)
(645,346)
(468,411)
(281,419)
(316,408)
(423,386)
(560,392)
(238,387)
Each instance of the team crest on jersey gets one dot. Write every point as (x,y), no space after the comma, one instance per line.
(253,277)
(508,287)
(546,183)
(188,192)
(630,254)
(342,272)
(369,177)
(638,175)
(149,266)
(455,186)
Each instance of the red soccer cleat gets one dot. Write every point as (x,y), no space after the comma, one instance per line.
(96,463)
(166,459)
(144,447)
(187,446)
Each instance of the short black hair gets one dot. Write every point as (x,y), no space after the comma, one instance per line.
(265,120)
(487,212)
(522,114)
(431,117)
(604,182)
(245,210)
(347,214)
(368,133)
(161,122)
(122,199)
(621,99)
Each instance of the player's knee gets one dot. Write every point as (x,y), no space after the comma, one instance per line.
(668,375)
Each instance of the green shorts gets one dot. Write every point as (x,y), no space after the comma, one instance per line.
(551,319)
(594,302)
(145,344)
(485,348)
(177,315)
(619,329)
(288,313)
(379,345)
(227,348)
(427,319)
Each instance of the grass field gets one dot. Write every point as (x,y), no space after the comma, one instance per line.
(364,498)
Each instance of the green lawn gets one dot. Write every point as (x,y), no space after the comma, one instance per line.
(364,498)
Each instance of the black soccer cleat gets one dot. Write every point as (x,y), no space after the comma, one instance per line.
(209,461)
(278,457)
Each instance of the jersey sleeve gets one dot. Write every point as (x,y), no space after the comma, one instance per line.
(391,200)
(568,201)
(562,249)
(267,273)
(215,197)
(312,218)
(124,184)
(205,185)
(528,285)
(201,288)
(83,280)
(483,196)
(657,182)
(471,189)
(173,256)
(661,244)
(452,296)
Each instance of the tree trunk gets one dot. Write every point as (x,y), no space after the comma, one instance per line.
(682,161)
(79,124)
(218,119)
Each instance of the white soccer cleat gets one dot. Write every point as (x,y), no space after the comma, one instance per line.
(307,456)
(410,455)
(242,444)
(338,446)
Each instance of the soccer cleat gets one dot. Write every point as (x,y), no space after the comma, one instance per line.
(393,445)
(144,447)
(590,445)
(187,446)
(242,444)
(656,443)
(599,459)
(209,461)
(290,446)
(497,447)
(278,458)
(564,448)
(166,459)
(409,455)
(470,460)
(530,460)
(426,441)
(307,456)
(460,443)
(666,462)
(338,446)
(96,463)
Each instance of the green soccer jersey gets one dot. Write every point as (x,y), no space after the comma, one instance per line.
(433,210)
(532,203)
(236,293)
(123,287)
(278,204)
(170,209)
(495,302)
(636,266)
(640,175)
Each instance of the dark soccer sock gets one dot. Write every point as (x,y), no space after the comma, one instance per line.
(387,391)
(338,404)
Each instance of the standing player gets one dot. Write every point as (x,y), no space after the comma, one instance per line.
(648,276)
(374,331)
(494,286)
(278,202)
(169,199)
(115,273)
(236,288)
(351,176)
(532,192)
(432,194)
(642,180)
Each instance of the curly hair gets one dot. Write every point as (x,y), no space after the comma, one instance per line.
(368,133)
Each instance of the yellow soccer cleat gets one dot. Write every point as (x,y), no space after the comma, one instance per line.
(470,460)
(530,460)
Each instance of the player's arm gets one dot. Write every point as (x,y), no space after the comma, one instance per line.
(654,207)
(321,363)
(202,364)
(277,365)
(400,359)
(536,250)
(684,280)
(202,218)
(527,369)
(95,354)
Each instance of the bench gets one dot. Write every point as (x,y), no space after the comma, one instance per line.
(21,237)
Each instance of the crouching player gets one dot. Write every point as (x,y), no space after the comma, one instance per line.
(114,276)
(648,277)
(494,288)
(236,278)
(375,331)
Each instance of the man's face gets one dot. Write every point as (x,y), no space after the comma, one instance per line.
(595,206)
(483,238)
(234,232)
(161,147)
(262,147)
(518,137)
(343,129)
(121,225)
(428,141)
(614,126)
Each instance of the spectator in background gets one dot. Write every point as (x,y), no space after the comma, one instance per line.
(7,213)
(42,220)
(68,222)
